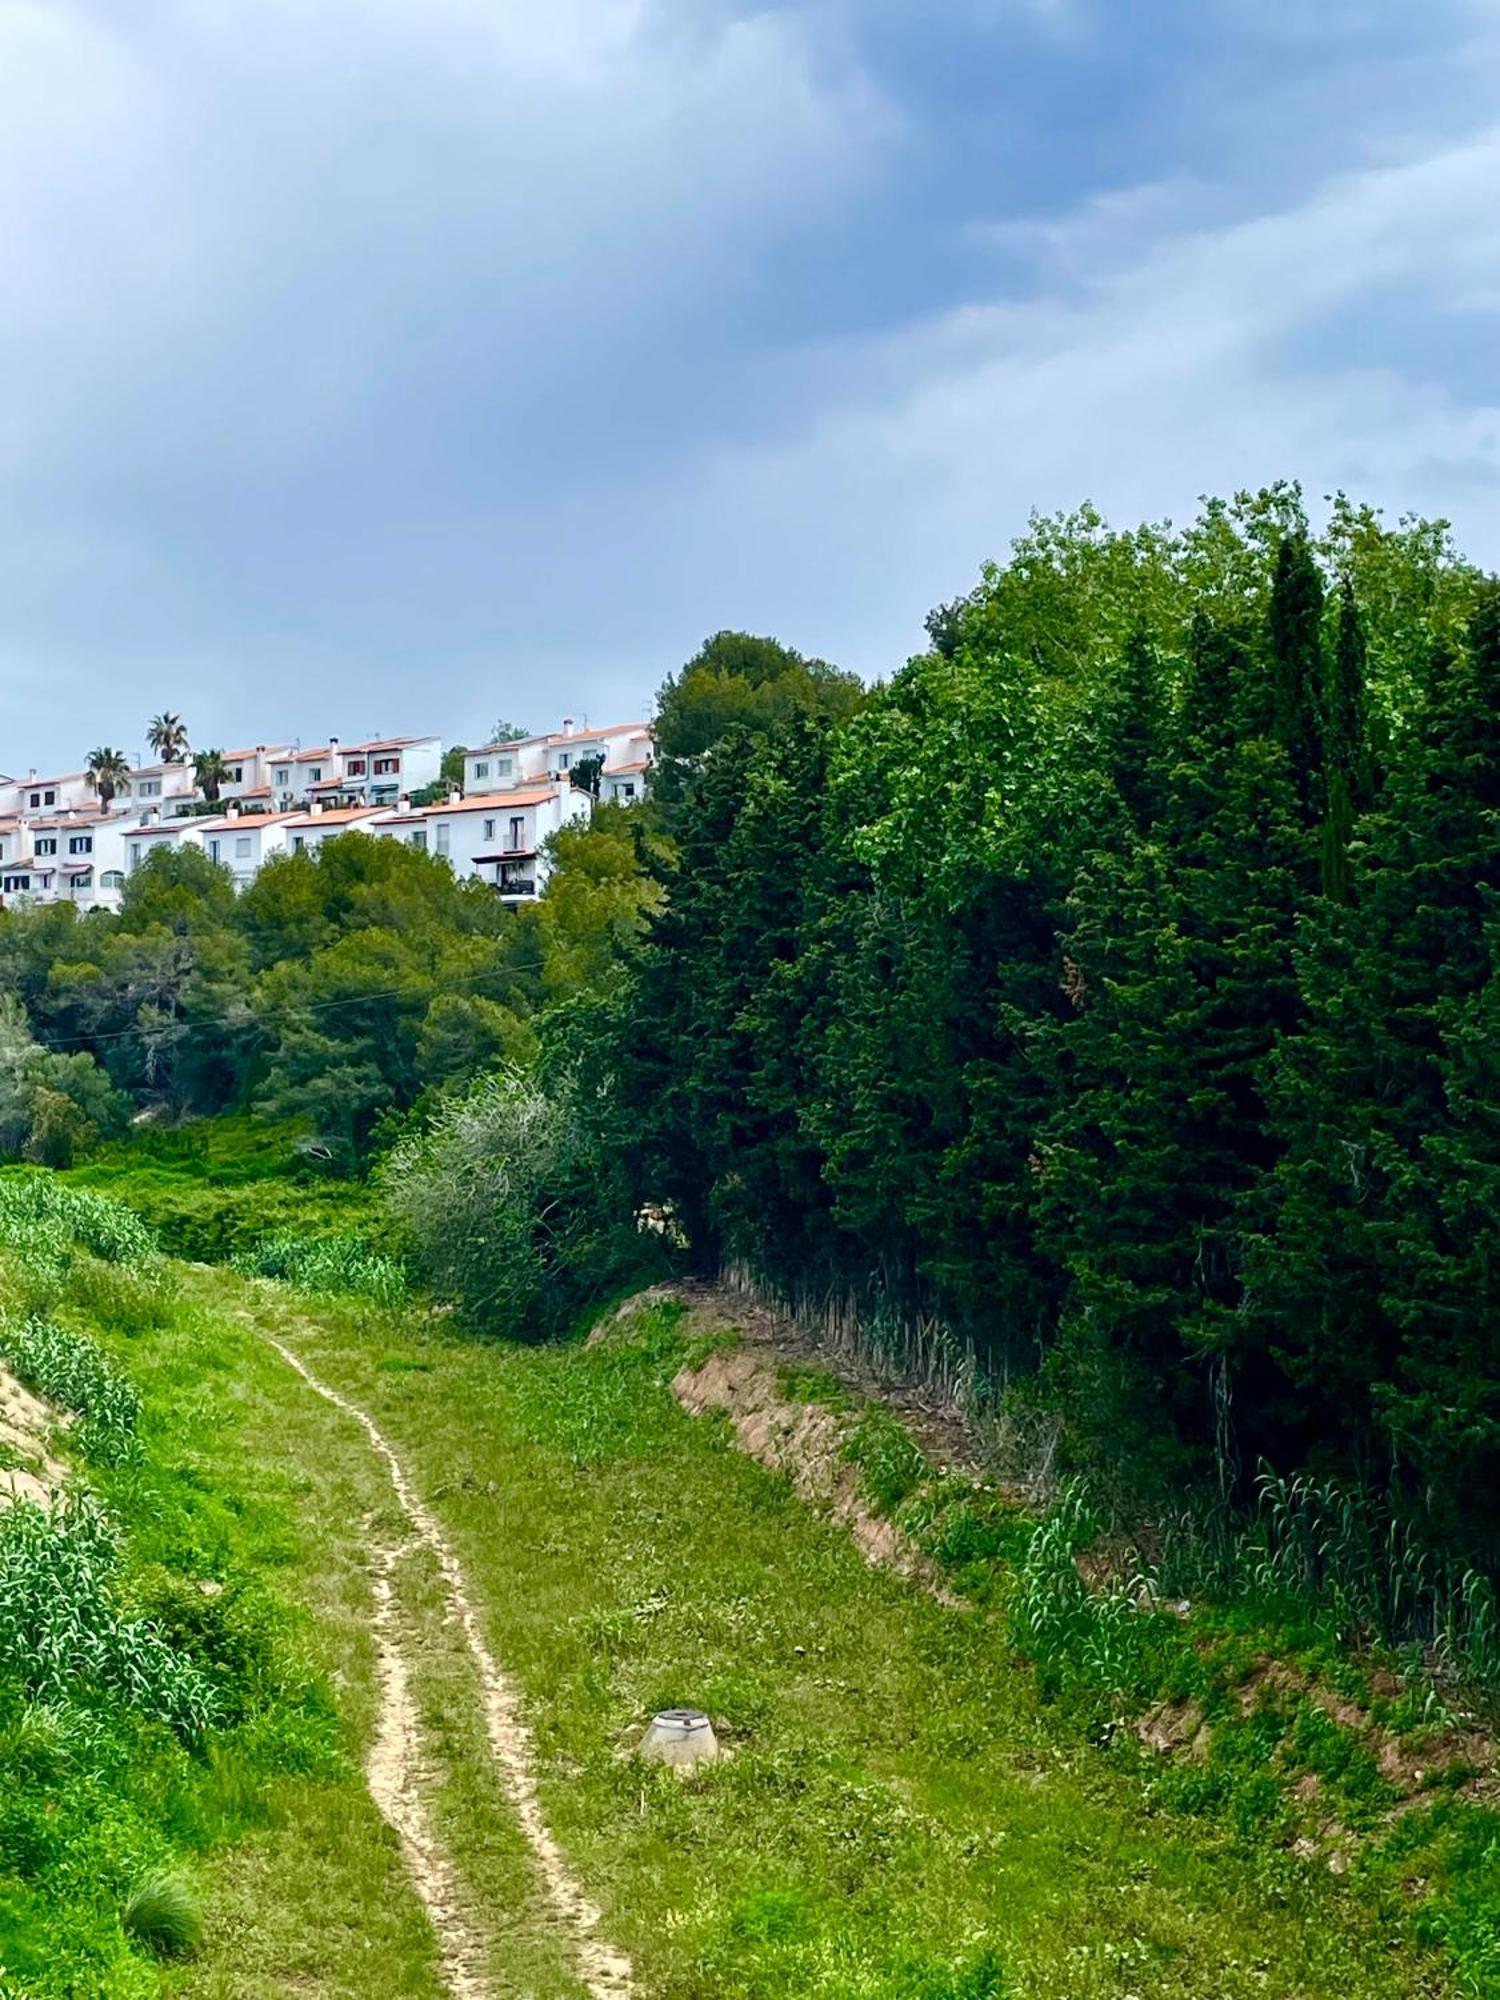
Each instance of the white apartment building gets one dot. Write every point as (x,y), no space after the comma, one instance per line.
(498,837)
(159,784)
(71,792)
(56,844)
(241,842)
(624,749)
(249,780)
(295,772)
(306,832)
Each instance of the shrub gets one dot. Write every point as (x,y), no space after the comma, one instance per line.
(163,1916)
(70,1370)
(508,1208)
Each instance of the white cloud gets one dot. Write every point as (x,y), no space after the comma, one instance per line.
(1143,377)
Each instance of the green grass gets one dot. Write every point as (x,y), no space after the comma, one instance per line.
(899,1814)
(185,1677)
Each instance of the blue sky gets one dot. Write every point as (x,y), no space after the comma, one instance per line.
(382,365)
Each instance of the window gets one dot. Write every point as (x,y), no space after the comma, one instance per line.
(564,759)
(213,850)
(482,768)
(14,882)
(299,844)
(83,883)
(49,798)
(442,838)
(242,846)
(112,878)
(236,774)
(517,831)
(386,767)
(355,767)
(33,798)
(315,775)
(81,843)
(627,791)
(46,844)
(489,829)
(419,838)
(504,766)
(283,777)
(148,788)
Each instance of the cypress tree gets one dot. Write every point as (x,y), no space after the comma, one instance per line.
(1295,631)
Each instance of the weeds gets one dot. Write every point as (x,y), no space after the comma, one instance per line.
(339,1265)
(63,1632)
(43,1218)
(70,1370)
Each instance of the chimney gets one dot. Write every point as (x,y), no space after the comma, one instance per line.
(403,802)
(567,728)
(316,806)
(455,797)
(333,746)
(231,811)
(31,775)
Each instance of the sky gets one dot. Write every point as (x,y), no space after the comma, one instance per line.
(395,366)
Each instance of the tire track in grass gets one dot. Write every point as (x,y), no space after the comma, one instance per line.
(604,1970)
(394,1772)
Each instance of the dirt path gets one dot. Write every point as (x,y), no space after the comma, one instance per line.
(395,1769)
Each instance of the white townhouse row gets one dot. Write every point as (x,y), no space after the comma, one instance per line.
(622,752)
(58,845)
(499,838)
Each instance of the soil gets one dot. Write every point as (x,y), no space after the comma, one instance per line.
(26,1423)
(806,1441)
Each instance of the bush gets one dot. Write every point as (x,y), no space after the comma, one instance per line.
(162,1915)
(508,1209)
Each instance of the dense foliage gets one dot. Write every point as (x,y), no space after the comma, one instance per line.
(1115,991)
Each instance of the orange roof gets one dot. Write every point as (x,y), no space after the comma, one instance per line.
(159,826)
(272,750)
(521,796)
(619,770)
(338,816)
(385,743)
(300,756)
(242,822)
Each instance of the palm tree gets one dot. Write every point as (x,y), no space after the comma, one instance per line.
(107,770)
(211,772)
(167,737)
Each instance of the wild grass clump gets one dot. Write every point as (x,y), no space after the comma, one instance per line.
(70,1370)
(343,1265)
(63,1632)
(162,1915)
(1342,1557)
(43,1217)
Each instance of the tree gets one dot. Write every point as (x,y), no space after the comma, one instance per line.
(1295,634)
(507,732)
(168,737)
(586,774)
(107,771)
(451,770)
(211,772)
(738,681)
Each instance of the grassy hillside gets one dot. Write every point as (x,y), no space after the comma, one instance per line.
(910,1809)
